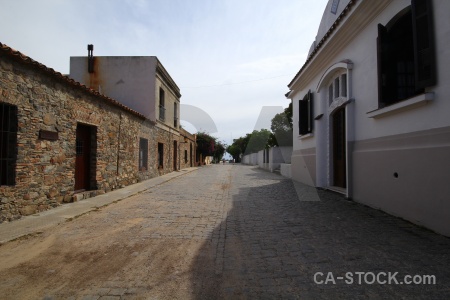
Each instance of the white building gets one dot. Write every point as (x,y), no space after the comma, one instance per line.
(139,82)
(372,104)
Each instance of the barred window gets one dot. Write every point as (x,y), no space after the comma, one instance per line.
(143,154)
(8,147)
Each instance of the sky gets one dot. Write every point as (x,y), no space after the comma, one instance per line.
(230,58)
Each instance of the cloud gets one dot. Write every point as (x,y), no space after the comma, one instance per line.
(230,58)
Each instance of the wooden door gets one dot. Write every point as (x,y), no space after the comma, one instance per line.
(190,154)
(339,149)
(83,158)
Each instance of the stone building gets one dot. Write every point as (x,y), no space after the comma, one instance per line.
(62,141)
(187,153)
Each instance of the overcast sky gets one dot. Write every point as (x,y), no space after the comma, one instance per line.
(229,57)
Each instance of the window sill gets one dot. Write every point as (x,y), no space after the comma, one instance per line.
(305,136)
(404,105)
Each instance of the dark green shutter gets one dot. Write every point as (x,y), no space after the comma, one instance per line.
(383,61)
(424,52)
(310,112)
(303,117)
(306,118)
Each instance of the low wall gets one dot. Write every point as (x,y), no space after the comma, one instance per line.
(285,170)
(276,157)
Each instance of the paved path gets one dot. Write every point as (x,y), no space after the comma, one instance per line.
(38,222)
(243,233)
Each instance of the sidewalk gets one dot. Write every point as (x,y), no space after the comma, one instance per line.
(38,222)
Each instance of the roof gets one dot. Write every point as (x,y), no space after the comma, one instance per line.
(22,58)
(324,39)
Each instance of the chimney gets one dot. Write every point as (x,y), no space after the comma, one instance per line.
(90,58)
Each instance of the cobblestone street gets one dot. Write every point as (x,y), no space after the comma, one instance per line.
(228,232)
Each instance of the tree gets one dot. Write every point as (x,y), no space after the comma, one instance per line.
(257,141)
(205,144)
(219,151)
(234,151)
(208,145)
(282,128)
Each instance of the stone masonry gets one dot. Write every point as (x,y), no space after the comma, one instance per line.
(45,168)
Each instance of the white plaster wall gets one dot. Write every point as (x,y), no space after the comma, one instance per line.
(130,80)
(419,194)
(285,170)
(254,159)
(169,99)
(286,153)
(363,52)
(260,161)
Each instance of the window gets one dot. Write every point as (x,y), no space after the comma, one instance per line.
(162,108)
(334,6)
(185,156)
(175,115)
(406,62)
(160,155)
(330,94)
(143,154)
(344,85)
(8,146)
(336,87)
(305,123)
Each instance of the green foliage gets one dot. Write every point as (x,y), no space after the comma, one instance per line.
(282,128)
(258,141)
(208,145)
(281,135)
(205,144)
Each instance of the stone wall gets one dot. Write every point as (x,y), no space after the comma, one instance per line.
(188,142)
(45,168)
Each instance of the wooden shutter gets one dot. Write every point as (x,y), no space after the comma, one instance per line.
(303,117)
(310,112)
(424,52)
(305,114)
(383,61)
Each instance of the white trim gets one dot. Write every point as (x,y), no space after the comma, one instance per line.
(399,107)
(305,136)
(343,65)
(338,103)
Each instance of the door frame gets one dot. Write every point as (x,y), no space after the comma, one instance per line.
(338,147)
(175,154)
(85,162)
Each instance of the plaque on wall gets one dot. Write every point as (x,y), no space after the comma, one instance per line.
(48,135)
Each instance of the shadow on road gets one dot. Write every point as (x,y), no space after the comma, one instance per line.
(272,245)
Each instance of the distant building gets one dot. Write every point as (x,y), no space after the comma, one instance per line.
(371,107)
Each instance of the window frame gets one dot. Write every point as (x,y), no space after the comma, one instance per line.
(423,55)
(160,154)
(162,104)
(305,114)
(175,115)
(143,154)
(8,150)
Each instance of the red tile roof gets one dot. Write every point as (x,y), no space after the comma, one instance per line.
(22,58)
